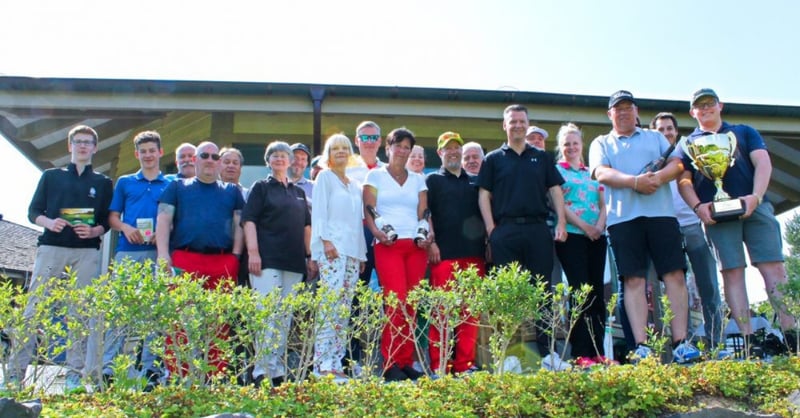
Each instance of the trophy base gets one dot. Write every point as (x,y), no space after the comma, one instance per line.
(727,210)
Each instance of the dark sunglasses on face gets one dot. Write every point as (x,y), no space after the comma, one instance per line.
(369,138)
(205,155)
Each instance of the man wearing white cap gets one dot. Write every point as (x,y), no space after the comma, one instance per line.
(536,136)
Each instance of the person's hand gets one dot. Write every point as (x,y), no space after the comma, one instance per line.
(704,213)
(331,253)
(434,255)
(254,263)
(57,225)
(593,232)
(647,183)
(750,203)
(83,231)
(560,233)
(311,268)
(133,235)
(381,238)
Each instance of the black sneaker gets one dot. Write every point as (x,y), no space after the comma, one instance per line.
(394,374)
(412,373)
(277,381)
(153,379)
(258,381)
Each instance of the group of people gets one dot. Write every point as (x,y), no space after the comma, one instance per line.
(518,203)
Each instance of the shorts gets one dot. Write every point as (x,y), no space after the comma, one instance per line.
(761,233)
(640,240)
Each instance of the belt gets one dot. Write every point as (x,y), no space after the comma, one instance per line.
(521,220)
(207,250)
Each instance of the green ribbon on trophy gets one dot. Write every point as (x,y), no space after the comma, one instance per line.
(712,155)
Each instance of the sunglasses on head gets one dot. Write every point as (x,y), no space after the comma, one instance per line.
(205,155)
(369,138)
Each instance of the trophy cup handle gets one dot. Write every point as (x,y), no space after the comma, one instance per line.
(734,143)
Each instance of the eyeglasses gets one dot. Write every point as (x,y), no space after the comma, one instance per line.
(369,138)
(705,105)
(205,155)
(84,142)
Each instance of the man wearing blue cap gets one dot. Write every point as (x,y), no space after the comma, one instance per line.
(641,220)
(746,179)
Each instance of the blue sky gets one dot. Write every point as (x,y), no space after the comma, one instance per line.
(661,50)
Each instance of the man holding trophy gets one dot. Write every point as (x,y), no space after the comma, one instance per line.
(727,174)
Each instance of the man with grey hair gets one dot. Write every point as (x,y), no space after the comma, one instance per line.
(184,161)
(472,158)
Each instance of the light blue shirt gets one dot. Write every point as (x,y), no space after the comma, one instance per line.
(629,154)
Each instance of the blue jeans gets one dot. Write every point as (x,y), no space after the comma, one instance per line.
(115,338)
(704,268)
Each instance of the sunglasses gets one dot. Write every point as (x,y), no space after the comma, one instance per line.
(369,138)
(205,155)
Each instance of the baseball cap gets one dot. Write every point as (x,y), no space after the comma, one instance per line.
(619,96)
(538,130)
(301,147)
(315,161)
(702,93)
(447,137)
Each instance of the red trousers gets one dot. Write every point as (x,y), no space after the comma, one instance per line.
(467,332)
(400,267)
(217,271)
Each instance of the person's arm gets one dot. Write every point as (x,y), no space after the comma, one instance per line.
(485,205)
(370,197)
(557,200)
(601,205)
(166,214)
(687,192)
(238,234)
(311,265)
(422,206)
(763,171)
(253,256)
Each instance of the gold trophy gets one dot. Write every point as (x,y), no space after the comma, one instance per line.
(712,155)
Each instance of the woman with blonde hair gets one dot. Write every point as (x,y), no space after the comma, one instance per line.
(338,248)
(583,254)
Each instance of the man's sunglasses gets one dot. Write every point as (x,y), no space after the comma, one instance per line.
(205,155)
(369,138)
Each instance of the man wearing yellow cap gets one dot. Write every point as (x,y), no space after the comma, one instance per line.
(460,237)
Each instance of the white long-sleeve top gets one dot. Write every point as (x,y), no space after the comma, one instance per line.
(337,217)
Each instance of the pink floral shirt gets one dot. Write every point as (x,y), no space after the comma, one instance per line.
(581,194)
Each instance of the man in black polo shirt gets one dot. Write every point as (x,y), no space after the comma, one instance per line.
(71,204)
(460,242)
(514,181)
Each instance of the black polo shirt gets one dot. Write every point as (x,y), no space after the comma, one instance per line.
(280,214)
(519,183)
(457,223)
(63,188)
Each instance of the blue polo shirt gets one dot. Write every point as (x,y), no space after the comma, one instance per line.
(519,183)
(203,213)
(136,197)
(738,180)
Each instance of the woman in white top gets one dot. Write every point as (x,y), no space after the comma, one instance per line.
(400,198)
(416,161)
(338,247)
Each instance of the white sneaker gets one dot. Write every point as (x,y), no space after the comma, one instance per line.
(553,363)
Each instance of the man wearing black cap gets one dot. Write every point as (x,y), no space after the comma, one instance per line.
(746,179)
(298,169)
(641,220)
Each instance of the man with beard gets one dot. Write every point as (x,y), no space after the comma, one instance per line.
(459,243)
